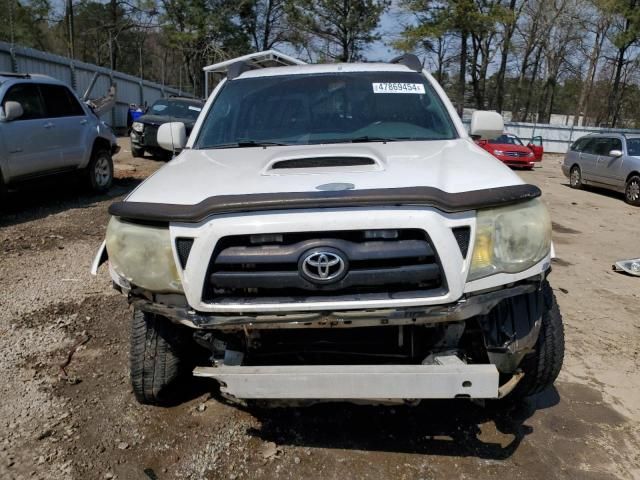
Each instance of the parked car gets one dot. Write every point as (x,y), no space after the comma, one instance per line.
(45,129)
(331,232)
(609,161)
(512,151)
(144,129)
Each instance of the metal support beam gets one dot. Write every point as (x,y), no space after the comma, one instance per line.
(356,382)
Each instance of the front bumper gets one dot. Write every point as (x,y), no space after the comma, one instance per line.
(143,140)
(512,162)
(470,305)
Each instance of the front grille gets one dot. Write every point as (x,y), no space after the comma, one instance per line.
(463,238)
(268,268)
(517,154)
(151,135)
(183,246)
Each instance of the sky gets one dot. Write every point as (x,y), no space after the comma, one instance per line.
(390,27)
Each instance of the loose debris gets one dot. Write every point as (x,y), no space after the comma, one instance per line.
(81,341)
(632,267)
(270,451)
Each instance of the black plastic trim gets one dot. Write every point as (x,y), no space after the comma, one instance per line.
(409,60)
(428,196)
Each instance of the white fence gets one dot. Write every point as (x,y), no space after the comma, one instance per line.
(84,76)
(556,138)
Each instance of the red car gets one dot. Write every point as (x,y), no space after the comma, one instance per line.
(510,150)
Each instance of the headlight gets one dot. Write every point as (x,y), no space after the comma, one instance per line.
(137,126)
(143,255)
(498,152)
(530,154)
(510,239)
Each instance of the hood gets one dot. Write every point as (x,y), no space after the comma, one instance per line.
(449,165)
(160,119)
(508,147)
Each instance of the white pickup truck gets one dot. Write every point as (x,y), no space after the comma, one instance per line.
(331,232)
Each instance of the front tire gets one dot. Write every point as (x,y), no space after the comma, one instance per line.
(100,171)
(632,191)
(575,177)
(157,357)
(541,367)
(137,152)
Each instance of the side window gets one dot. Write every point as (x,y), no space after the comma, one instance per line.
(602,146)
(60,102)
(633,147)
(28,95)
(615,144)
(578,145)
(589,145)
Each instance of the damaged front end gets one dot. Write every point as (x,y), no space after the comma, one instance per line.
(469,349)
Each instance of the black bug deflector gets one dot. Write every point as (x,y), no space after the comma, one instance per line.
(425,196)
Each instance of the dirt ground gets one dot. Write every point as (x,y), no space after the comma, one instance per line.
(84,422)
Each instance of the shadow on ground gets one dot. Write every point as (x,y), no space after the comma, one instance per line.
(450,428)
(41,198)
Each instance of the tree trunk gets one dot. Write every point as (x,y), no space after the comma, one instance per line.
(113,51)
(462,76)
(504,56)
(534,74)
(612,107)
(475,71)
(587,86)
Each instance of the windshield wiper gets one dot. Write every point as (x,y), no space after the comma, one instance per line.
(246,143)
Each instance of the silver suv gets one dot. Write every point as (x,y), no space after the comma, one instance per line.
(45,129)
(609,161)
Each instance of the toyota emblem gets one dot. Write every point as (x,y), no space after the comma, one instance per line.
(323,266)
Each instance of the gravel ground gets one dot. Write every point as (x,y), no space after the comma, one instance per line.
(82,421)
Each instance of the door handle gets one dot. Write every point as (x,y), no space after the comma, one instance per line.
(48,125)
(83,122)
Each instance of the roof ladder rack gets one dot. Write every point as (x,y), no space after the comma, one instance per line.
(14,75)
(409,60)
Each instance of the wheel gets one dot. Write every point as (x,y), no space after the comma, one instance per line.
(632,191)
(158,358)
(575,177)
(100,171)
(137,152)
(542,366)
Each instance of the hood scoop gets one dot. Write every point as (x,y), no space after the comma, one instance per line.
(319,162)
(323,164)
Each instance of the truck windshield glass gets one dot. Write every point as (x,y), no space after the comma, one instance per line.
(177,109)
(325,108)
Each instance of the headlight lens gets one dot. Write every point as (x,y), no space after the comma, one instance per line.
(143,255)
(510,239)
(137,126)
(498,152)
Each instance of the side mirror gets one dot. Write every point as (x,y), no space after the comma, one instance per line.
(172,136)
(615,153)
(486,125)
(12,110)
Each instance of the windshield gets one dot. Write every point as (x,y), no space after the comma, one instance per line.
(325,108)
(507,139)
(176,108)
